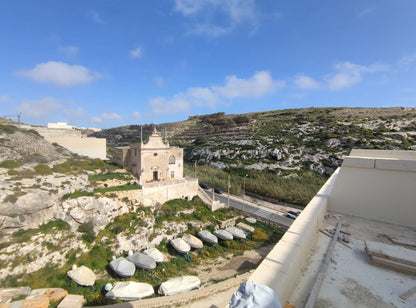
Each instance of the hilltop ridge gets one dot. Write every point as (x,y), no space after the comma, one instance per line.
(282,140)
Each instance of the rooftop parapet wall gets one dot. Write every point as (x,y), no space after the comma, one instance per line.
(374,188)
(281,269)
(391,154)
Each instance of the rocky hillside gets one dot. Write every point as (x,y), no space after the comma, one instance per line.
(287,141)
(35,176)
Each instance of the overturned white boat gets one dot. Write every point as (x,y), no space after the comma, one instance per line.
(142,261)
(251,220)
(122,267)
(236,232)
(193,241)
(155,254)
(82,276)
(224,235)
(208,237)
(179,285)
(180,245)
(130,291)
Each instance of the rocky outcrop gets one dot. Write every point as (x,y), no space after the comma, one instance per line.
(100,211)
(29,203)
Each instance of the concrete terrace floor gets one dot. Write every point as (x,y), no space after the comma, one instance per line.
(351,281)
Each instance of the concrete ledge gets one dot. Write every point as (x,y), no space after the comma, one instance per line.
(400,154)
(358,162)
(281,269)
(395,164)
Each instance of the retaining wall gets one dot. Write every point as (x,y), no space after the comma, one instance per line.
(164,191)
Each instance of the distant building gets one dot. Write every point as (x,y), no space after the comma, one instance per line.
(152,161)
(60,125)
(72,139)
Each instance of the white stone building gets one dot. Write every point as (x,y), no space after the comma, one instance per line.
(153,161)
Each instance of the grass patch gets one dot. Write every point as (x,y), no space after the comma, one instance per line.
(25,235)
(102,191)
(110,176)
(77,165)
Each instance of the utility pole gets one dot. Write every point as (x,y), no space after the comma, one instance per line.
(195,169)
(244,191)
(229,186)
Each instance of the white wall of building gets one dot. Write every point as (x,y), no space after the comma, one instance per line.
(381,189)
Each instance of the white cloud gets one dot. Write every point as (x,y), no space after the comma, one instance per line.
(306,82)
(97,17)
(136,115)
(75,114)
(161,106)
(235,12)
(136,53)
(365,12)
(69,51)
(59,73)
(210,30)
(407,61)
(298,95)
(4,97)
(106,117)
(159,81)
(348,74)
(39,110)
(260,84)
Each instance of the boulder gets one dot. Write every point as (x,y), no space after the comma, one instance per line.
(72,301)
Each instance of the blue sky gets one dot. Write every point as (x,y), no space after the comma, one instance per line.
(112,63)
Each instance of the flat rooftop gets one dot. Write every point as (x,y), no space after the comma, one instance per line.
(350,280)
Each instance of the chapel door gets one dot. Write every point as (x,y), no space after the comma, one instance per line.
(155,178)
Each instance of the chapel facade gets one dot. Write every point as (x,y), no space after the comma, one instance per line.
(153,161)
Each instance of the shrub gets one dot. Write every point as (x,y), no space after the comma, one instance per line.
(10,199)
(12,172)
(9,129)
(259,235)
(43,169)
(88,229)
(9,164)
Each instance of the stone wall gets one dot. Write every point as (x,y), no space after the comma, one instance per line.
(162,192)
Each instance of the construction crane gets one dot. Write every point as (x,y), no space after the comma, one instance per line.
(14,116)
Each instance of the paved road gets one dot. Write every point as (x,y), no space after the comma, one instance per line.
(255,210)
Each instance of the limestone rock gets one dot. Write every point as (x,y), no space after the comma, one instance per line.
(72,301)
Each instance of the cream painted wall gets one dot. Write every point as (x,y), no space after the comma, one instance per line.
(381,189)
(88,146)
(162,192)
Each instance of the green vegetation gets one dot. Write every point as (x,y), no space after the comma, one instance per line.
(100,255)
(77,194)
(43,169)
(87,228)
(79,165)
(100,191)
(110,176)
(180,210)
(9,164)
(25,235)
(8,129)
(261,183)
